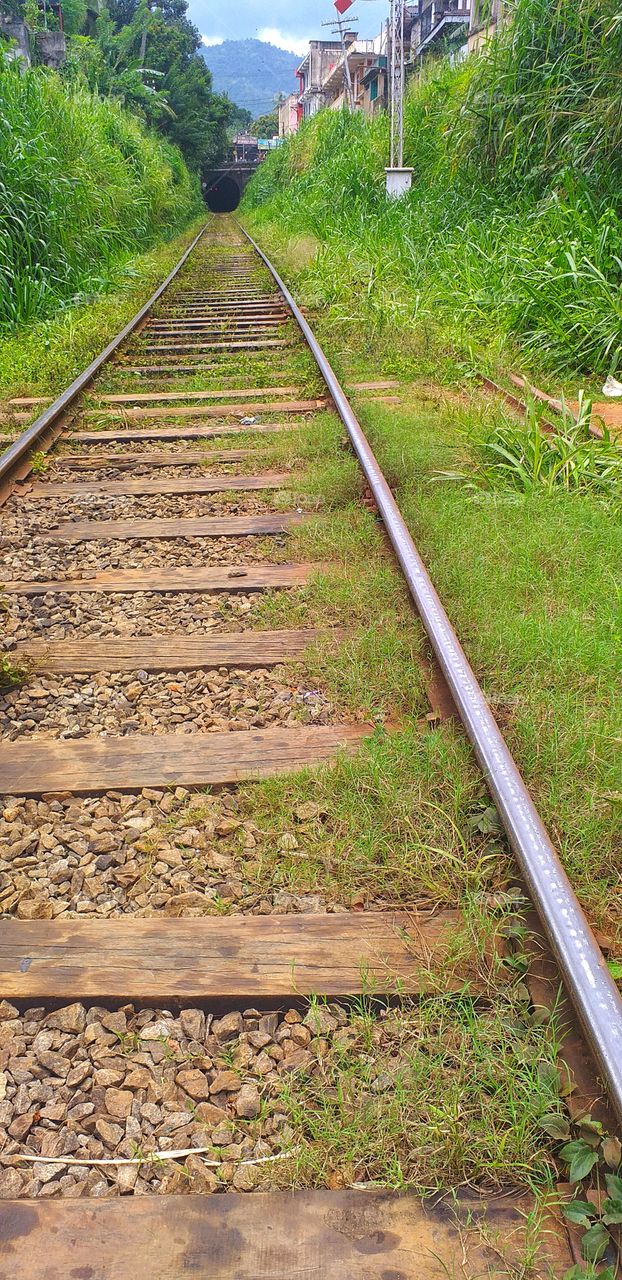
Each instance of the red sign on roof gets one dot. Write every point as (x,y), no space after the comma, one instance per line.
(342,5)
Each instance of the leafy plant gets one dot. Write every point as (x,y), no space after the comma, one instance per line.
(39,463)
(526,458)
(511,232)
(589,1152)
(12,671)
(81,184)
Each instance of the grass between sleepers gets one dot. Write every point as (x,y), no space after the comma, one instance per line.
(531,585)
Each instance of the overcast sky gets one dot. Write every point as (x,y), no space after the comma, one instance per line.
(290,26)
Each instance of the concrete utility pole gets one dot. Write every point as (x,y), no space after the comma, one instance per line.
(398,178)
(347,78)
(337,27)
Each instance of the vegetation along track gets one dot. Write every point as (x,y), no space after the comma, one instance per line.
(250,943)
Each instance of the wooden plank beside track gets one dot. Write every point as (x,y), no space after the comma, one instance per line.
(141,397)
(169,652)
(192,527)
(149,485)
(280,1235)
(125,461)
(230,409)
(92,765)
(179,433)
(254,577)
(236,959)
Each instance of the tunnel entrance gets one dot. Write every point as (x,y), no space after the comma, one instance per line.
(223,196)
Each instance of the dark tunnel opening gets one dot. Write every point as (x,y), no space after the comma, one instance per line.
(223,196)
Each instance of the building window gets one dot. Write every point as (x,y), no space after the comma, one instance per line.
(373,89)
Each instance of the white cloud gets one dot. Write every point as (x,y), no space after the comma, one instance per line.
(274,35)
(211,40)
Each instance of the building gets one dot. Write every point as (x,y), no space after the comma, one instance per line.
(374,83)
(438,23)
(290,112)
(330,66)
(313,70)
(358,57)
(486,18)
(244,149)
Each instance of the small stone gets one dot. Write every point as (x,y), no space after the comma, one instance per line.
(268,1023)
(119,1102)
(196,1084)
(209,1114)
(34,909)
(126,1178)
(46,1172)
(248,1102)
(225,1082)
(319,1020)
(139,1078)
(21,1125)
(10,1184)
(221,1137)
(156,1031)
(192,1022)
(110,1133)
(53,1062)
(7,1011)
(227,1028)
(116,1022)
(72,1017)
(297,1061)
(3,1084)
(258,1039)
(245,1177)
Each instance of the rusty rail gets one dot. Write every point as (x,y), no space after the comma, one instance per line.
(581,963)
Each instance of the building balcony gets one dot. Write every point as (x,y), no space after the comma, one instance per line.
(436,20)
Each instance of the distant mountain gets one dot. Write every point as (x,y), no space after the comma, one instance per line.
(251,72)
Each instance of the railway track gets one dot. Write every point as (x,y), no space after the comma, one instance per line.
(153,1005)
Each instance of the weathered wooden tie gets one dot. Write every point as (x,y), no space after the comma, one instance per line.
(227,409)
(93,765)
(148,485)
(144,397)
(181,527)
(170,652)
(301,1235)
(257,577)
(180,433)
(239,959)
(125,460)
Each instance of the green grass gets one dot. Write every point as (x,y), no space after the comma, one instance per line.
(530,583)
(45,357)
(509,246)
(427,1097)
(83,186)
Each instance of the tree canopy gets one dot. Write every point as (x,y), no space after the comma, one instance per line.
(147,56)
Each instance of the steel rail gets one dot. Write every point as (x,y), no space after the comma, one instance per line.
(46,421)
(581,963)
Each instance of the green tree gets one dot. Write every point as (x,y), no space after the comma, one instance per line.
(266,126)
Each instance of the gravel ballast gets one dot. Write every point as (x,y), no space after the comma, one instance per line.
(40,559)
(56,616)
(105,704)
(173,853)
(95,1084)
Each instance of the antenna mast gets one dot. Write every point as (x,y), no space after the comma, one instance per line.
(397,83)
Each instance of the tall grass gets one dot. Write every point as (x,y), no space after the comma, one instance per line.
(81,183)
(512,232)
